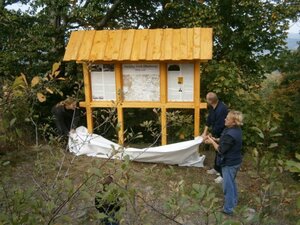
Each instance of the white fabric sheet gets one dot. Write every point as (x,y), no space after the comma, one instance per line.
(183,153)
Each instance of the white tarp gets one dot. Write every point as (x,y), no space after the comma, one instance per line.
(183,153)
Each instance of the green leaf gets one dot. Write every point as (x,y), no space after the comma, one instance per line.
(231,222)
(298,202)
(259,132)
(101,216)
(5,163)
(293,166)
(273,145)
(96,171)
(273,129)
(12,122)
(297,155)
(276,135)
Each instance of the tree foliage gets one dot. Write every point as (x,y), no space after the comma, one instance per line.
(247,34)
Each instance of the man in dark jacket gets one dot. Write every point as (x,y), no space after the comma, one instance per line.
(217,112)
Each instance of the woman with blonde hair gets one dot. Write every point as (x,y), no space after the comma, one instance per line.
(229,148)
(65,116)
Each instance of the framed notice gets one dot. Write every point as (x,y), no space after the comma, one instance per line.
(103,82)
(141,82)
(181,82)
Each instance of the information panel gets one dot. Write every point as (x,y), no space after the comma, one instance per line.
(181,82)
(103,82)
(141,82)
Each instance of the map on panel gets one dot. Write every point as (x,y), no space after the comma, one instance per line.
(181,82)
(141,82)
(103,82)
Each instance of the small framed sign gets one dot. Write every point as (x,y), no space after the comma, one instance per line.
(103,82)
(181,82)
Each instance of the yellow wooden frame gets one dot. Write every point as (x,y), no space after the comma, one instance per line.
(163,104)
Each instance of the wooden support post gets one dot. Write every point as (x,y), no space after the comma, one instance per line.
(197,98)
(88,97)
(119,92)
(163,100)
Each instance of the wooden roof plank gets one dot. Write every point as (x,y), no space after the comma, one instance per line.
(183,45)
(206,43)
(127,42)
(73,45)
(136,47)
(86,46)
(190,43)
(116,45)
(99,45)
(109,46)
(197,43)
(143,44)
(151,40)
(157,50)
(176,45)
(167,44)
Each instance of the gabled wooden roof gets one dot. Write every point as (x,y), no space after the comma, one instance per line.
(140,45)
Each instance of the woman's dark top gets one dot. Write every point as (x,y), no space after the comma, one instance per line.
(63,119)
(230,147)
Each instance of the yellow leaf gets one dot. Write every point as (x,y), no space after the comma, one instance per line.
(35,81)
(56,73)
(55,67)
(41,97)
(60,93)
(19,82)
(49,90)
(24,78)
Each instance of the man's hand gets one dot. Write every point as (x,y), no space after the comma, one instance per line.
(204,134)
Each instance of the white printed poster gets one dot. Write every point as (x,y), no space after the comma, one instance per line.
(103,82)
(181,82)
(141,82)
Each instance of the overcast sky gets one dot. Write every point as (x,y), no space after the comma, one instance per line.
(295,27)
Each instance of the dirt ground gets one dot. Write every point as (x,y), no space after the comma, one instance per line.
(147,178)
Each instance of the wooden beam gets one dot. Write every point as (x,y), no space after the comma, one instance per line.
(164,133)
(163,100)
(104,104)
(135,104)
(197,98)
(121,125)
(88,97)
(180,105)
(203,105)
(119,97)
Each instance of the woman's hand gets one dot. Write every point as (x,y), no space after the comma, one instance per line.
(210,140)
(215,139)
